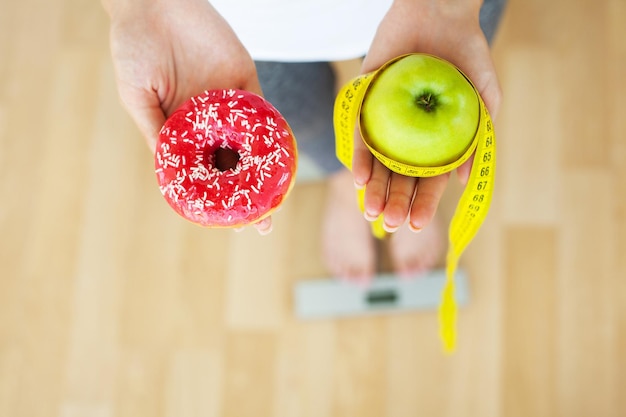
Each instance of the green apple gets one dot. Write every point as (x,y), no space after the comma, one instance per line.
(421,111)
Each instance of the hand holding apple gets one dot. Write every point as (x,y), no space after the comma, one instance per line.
(456,37)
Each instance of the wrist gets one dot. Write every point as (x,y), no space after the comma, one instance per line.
(451,9)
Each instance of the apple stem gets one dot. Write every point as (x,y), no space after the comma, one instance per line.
(427,101)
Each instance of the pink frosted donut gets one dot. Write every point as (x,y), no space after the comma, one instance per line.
(225,158)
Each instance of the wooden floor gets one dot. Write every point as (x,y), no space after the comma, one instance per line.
(110,305)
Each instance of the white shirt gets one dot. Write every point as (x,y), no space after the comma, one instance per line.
(304,30)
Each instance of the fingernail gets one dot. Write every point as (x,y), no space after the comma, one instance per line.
(265,231)
(389,229)
(358,186)
(370,217)
(414,229)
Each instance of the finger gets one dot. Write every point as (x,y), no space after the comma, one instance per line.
(376,191)
(427,197)
(362,161)
(400,195)
(150,121)
(483,74)
(145,110)
(491,93)
(253,85)
(463,172)
(264,226)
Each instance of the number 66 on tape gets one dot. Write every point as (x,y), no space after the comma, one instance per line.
(473,204)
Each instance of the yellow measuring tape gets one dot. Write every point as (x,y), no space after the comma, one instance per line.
(472,207)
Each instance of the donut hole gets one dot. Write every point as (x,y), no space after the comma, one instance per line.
(223,159)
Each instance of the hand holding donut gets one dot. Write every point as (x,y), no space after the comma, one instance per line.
(165,52)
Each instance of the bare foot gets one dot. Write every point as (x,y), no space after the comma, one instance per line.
(348,245)
(415,254)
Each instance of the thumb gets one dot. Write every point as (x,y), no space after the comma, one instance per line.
(463,172)
(149,119)
(253,85)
